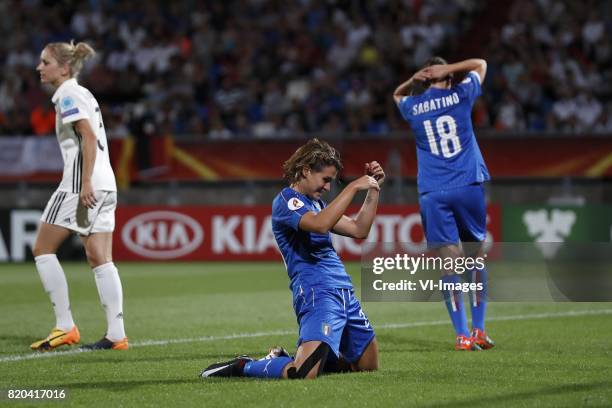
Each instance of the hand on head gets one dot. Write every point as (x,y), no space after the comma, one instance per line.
(421,75)
(435,72)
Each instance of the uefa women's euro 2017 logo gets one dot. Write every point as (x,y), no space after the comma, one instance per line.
(67,107)
(67,103)
(294,204)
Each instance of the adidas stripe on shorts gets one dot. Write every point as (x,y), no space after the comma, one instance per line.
(66,210)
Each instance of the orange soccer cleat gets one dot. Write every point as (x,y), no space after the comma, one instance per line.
(464,343)
(106,344)
(57,338)
(482,340)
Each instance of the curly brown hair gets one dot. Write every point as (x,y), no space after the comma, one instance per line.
(314,155)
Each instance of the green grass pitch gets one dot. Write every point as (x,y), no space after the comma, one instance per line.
(181,317)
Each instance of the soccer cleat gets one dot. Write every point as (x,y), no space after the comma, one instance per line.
(106,344)
(464,343)
(277,351)
(232,368)
(482,340)
(57,338)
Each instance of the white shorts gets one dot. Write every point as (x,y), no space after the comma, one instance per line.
(66,210)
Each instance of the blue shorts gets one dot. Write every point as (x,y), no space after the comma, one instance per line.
(335,317)
(454,215)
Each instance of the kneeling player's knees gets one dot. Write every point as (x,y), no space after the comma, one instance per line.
(369,360)
(370,366)
(312,374)
(296,375)
(312,365)
(292,372)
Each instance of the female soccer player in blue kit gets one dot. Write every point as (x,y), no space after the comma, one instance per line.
(451,173)
(334,332)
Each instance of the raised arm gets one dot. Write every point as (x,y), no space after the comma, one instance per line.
(359,227)
(323,221)
(405,87)
(474,64)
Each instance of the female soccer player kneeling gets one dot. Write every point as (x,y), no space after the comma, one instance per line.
(334,332)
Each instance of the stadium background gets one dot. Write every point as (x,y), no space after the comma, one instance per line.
(202,102)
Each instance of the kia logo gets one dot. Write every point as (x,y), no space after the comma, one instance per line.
(162,234)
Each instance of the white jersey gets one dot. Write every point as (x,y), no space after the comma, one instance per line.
(74,102)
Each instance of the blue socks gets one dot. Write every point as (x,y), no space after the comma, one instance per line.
(454,304)
(272,368)
(478,299)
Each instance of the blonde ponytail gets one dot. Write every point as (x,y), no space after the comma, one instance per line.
(71,54)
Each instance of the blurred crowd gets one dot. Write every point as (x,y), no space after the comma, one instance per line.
(274,69)
(550,67)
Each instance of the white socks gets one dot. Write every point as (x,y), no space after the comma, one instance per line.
(109,288)
(111,296)
(54,281)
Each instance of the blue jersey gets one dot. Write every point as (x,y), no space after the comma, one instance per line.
(310,258)
(447,152)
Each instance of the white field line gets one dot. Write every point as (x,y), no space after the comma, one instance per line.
(146,343)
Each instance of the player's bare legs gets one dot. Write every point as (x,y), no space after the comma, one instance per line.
(52,276)
(98,248)
(369,359)
(306,357)
(308,363)
(303,352)
(99,251)
(49,238)
(451,251)
(473,249)
(367,362)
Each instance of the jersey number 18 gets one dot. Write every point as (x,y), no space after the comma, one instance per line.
(447,131)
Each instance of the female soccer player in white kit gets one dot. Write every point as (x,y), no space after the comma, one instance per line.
(84,203)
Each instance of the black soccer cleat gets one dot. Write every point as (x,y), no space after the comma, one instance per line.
(232,368)
(106,344)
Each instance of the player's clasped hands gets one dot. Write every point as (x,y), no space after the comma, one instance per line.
(373,178)
(365,183)
(375,170)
